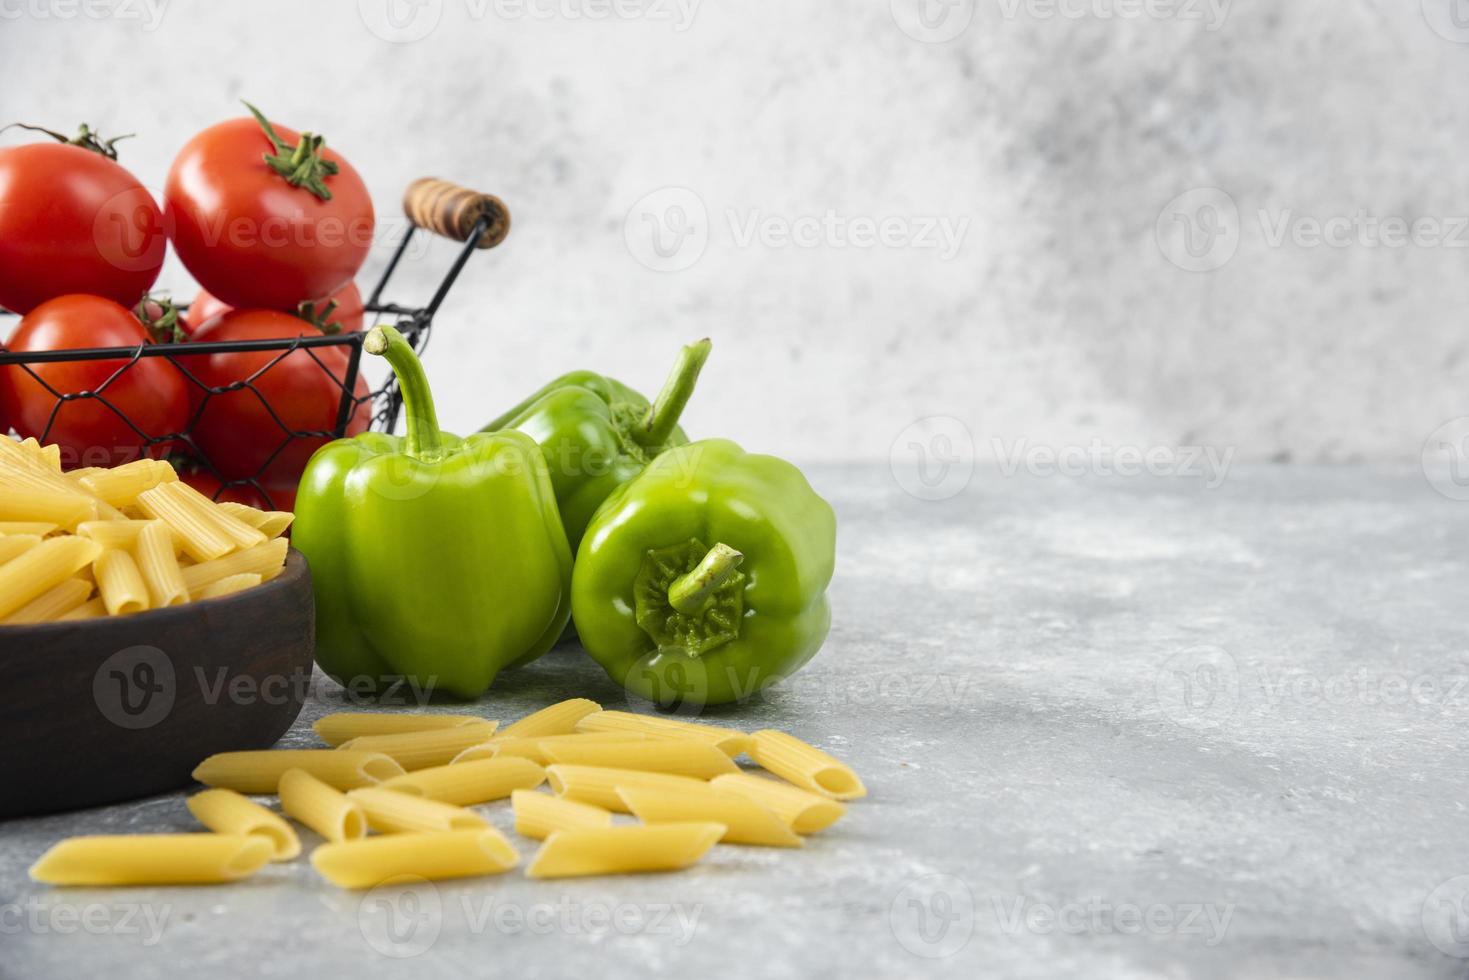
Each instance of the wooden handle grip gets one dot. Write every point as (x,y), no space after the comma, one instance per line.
(452,211)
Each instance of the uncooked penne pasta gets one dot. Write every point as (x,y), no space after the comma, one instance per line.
(745,821)
(558,719)
(455,854)
(539,815)
(39,528)
(42,567)
(120,486)
(730,741)
(120,583)
(264,560)
(271,523)
(159,565)
(260,772)
(534,749)
(806,766)
(91,609)
(322,808)
(620,850)
(470,783)
(52,604)
(681,757)
(242,534)
(598,785)
(228,585)
(15,545)
(389,812)
(343,726)
(805,812)
(201,539)
(420,750)
(152,859)
(114,534)
(21,502)
(226,812)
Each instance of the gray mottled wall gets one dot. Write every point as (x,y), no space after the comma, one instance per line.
(1071,305)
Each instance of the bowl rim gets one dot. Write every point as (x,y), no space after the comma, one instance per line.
(295,571)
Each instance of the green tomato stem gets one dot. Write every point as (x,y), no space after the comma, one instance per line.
(663,414)
(423,441)
(688,592)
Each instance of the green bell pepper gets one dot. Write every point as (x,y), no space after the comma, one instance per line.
(436,560)
(703,580)
(597,433)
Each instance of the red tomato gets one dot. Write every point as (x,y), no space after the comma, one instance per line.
(274,497)
(250,237)
(73,221)
(149,392)
(237,430)
(347,315)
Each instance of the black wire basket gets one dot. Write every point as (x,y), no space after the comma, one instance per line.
(475,219)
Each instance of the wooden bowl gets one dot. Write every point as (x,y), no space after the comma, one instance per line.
(100,710)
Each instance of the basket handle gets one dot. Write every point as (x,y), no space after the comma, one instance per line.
(452,211)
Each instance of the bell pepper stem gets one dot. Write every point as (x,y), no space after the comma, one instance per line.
(663,414)
(423,438)
(688,592)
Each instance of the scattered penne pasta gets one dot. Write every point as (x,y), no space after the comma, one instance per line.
(805,765)
(470,783)
(621,850)
(389,812)
(455,854)
(730,741)
(120,583)
(343,726)
(558,719)
(260,772)
(681,757)
(744,820)
(805,812)
(598,785)
(421,750)
(226,812)
(323,808)
(54,603)
(534,749)
(153,859)
(41,568)
(539,815)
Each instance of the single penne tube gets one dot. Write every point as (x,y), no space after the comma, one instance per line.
(201,539)
(321,807)
(229,585)
(42,567)
(271,523)
(120,583)
(226,812)
(454,854)
(22,502)
(52,604)
(421,750)
(745,821)
(623,850)
(343,726)
(15,545)
(152,859)
(91,609)
(74,476)
(159,565)
(806,766)
(539,815)
(260,772)
(534,749)
(39,528)
(243,535)
(470,783)
(805,812)
(681,757)
(120,486)
(729,740)
(389,812)
(558,719)
(598,785)
(114,534)
(264,560)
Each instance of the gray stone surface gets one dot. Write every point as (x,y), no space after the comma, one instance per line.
(1008,670)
